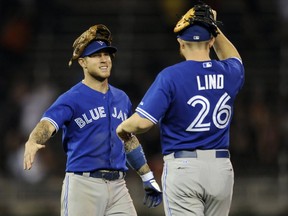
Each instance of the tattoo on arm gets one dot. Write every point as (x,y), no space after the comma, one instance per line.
(131,144)
(42,132)
(144,169)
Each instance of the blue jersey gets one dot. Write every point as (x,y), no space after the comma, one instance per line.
(89,120)
(193,103)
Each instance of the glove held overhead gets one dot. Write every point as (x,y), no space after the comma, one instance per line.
(200,14)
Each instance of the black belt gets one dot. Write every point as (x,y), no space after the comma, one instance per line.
(104,174)
(193,154)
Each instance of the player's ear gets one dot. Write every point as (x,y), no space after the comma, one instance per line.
(211,42)
(82,62)
(181,43)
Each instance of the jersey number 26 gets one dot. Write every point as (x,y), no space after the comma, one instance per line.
(221,113)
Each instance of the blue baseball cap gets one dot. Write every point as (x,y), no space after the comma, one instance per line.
(195,33)
(96,46)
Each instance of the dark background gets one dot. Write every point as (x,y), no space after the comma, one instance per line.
(36,40)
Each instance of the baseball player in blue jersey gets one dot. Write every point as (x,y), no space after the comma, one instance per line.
(193,103)
(89,114)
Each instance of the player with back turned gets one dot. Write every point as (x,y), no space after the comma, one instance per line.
(89,114)
(193,103)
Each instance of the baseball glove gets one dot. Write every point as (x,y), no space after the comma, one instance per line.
(96,32)
(200,14)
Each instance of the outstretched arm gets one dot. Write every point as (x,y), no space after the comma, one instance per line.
(135,124)
(40,134)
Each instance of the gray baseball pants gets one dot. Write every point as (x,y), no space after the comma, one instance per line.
(83,195)
(199,186)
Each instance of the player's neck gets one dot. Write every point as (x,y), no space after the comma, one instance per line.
(97,86)
(198,56)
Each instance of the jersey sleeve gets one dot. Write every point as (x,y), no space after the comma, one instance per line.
(156,100)
(236,67)
(59,112)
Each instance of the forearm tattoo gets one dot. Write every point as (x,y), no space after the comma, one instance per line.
(41,133)
(131,144)
(144,169)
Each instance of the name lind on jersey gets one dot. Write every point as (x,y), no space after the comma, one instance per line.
(210,81)
(97,113)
